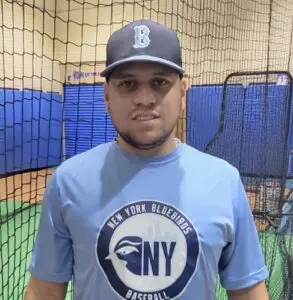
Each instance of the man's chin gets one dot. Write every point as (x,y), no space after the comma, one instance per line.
(145,145)
(144,141)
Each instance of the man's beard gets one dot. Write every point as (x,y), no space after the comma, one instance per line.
(130,140)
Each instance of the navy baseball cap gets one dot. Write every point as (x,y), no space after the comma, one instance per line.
(143,41)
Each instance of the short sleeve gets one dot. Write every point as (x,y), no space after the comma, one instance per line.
(242,262)
(52,253)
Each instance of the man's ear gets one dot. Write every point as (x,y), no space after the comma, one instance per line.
(184,87)
(106,96)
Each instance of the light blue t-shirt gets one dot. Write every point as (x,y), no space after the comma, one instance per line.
(142,228)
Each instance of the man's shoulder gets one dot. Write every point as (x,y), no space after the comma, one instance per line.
(206,161)
(85,160)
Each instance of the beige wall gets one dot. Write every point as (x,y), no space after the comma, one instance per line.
(217,37)
(281,35)
(43,46)
(27,48)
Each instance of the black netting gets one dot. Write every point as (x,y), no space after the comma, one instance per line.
(253,135)
(51,107)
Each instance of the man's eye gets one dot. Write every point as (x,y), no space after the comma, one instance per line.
(128,84)
(160,82)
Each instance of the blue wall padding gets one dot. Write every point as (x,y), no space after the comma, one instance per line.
(248,141)
(31,125)
(232,127)
(85,119)
(30,130)
(203,113)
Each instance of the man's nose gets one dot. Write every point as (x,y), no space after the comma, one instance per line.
(144,95)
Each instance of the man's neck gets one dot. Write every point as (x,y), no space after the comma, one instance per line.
(169,146)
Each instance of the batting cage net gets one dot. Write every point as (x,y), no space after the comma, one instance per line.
(253,135)
(237,57)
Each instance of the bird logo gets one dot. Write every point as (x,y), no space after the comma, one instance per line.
(129,250)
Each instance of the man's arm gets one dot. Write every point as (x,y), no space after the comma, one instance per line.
(51,264)
(256,292)
(38,289)
(242,265)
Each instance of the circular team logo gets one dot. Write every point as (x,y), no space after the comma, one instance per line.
(148,250)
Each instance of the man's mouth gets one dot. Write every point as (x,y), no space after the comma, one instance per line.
(145,116)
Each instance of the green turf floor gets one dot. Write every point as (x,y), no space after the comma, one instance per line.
(16,241)
(18,233)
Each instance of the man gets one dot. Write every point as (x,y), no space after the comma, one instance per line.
(146,217)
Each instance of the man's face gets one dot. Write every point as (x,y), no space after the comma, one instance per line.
(145,101)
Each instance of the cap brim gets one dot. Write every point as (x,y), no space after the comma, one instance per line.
(141,58)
